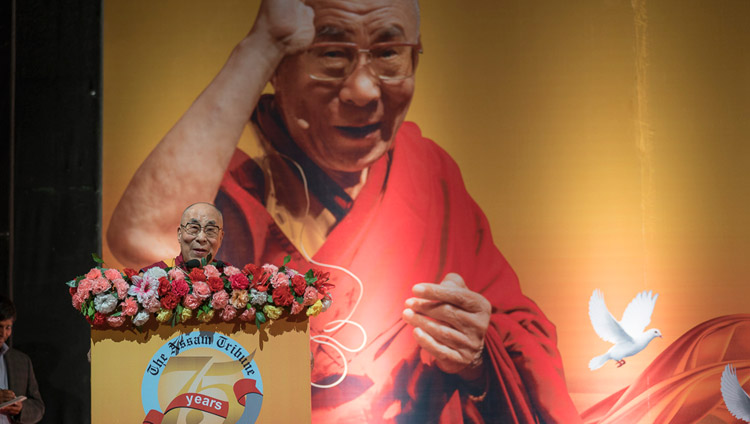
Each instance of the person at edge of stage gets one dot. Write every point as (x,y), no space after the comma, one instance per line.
(428,322)
(16,375)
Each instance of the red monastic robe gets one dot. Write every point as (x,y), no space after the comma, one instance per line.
(413,222)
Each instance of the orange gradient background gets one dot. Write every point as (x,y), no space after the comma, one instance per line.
(606,140)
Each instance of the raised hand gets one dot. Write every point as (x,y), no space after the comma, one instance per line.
(289,23)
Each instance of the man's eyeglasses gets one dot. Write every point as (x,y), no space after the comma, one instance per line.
(194,229)
(336,61)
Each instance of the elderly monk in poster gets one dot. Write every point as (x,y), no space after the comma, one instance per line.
(429,323)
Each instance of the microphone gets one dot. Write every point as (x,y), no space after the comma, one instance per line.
(303,124)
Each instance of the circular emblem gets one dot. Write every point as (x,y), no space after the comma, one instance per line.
(204,377)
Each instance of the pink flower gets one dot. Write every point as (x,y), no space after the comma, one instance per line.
(78,300)
(230,271)
(129,307)
(201,289)
(248,315)
(122,288)
(94,274)
(112,274)
(297,308)
(151,304)
(239,281)
(115,322)
(191,301)
(220,300)
(228,313)
(84,287)
(311,296)
(211,271)
(180,287)
(279,280)
(143,287)
(176,274)
(100,285)
(270,269)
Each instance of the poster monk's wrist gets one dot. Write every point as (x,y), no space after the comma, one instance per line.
(475,378)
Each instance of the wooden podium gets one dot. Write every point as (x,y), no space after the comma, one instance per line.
(201,373)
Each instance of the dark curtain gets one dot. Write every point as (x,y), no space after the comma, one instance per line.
(52,182)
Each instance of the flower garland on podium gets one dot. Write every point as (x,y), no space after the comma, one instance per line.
(204,291)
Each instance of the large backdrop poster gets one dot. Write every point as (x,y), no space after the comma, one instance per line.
(606,142)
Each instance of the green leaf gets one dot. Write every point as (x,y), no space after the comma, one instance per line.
(310,277)
(269,299)
(203,262)
(287,258)
(116,314)
(299,299)
(96,258)
(72,283)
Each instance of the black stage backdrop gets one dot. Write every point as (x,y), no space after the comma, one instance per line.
(51,185)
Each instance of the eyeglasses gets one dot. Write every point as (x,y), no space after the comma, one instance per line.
(336,61)
(194,229)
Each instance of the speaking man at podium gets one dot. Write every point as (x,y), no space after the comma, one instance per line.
(428,323)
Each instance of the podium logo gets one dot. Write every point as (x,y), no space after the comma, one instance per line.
(201,377)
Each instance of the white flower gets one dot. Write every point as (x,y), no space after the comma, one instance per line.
(155,273)
(105,303)
(141,317)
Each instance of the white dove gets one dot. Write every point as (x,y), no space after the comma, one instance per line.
(627,334)
(737,401)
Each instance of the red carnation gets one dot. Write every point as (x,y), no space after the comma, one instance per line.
(300,284)
(72,290)
(180,288)
(215,284)
(169,301)
(282,296)
(239,282)
(99,318)
(197,275)
(164,286)
(130,272)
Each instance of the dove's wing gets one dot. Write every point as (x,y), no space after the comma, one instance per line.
(638,313)
(737,401)
(605,325)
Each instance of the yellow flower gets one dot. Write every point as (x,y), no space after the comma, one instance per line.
(164,315)
(206,316)
(186,314)
(272,312)
(315,308)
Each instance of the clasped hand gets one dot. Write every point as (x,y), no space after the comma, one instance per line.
(450,322)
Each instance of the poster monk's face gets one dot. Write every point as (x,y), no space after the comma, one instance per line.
(352,121)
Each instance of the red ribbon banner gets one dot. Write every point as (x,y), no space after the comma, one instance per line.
(205,403)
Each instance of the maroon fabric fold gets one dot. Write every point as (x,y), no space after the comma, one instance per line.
(416,227)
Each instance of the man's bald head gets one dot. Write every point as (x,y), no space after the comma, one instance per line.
(201,231)
(202,206)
